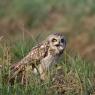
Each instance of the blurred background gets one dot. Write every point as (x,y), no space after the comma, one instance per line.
(25,19)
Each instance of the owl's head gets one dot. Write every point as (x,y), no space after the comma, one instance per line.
(57,42)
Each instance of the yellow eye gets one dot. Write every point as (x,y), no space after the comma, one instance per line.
(54,40)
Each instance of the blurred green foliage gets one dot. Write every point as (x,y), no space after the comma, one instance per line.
(37,10)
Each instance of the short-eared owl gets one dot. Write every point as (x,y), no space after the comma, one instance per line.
(42,57)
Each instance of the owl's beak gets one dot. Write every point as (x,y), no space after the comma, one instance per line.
(60,46)
(57,45)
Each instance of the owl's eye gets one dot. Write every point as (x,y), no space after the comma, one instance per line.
(62,40)
(54,40)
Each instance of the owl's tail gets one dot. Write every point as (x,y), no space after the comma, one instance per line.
(18,72)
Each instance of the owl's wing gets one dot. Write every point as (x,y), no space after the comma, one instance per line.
(35,55)
(39,52)
(33,58)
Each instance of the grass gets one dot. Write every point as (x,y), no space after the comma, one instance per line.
(71,76)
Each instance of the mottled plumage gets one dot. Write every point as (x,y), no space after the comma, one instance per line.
(41,57)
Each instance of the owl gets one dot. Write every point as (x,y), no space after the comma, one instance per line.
(41,57)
